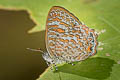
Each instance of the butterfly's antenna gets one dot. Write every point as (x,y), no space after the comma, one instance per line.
(36,50)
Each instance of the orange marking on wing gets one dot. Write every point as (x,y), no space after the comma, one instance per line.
(49,21)
(51,44)
(62,12)
(74,31)
(72,40)
(68,19)
(71,35)
(62,17)
(72,46)
(84,39)
(64,35)
(58,50)
(86,42)
(54,15)
(59,30)
(72,24)
(52,33)
(88,49)
(58,14)
(81,44)
(56,19)
(78,37)
(51,39)
(62,23)
(62,40)
(66,41)
(83,26)
(58,46)
(78,31)
(86,32)
(66,46)
(89,39)
(52,49)
(53,26)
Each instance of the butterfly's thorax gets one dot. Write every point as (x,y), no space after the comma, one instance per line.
(67,39)
(52,60)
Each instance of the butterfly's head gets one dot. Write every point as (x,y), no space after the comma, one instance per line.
(47,57)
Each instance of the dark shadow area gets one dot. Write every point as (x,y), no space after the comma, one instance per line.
(95,68)
(17,63)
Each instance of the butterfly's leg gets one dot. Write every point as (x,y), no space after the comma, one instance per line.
(48,64)
(52,64)
(71,63)
(51,67)
(56,68)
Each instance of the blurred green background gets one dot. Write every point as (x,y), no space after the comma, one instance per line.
(22,25)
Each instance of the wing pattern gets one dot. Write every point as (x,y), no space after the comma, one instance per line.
(67,38)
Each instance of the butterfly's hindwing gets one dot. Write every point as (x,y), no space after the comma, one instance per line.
(67,37)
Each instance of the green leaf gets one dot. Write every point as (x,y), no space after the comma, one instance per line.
(97,14)
(92,68)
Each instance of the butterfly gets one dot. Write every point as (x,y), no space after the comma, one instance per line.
(67,38)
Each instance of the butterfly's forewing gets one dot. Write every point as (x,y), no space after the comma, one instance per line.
(58,23)
(65,35)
